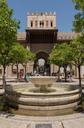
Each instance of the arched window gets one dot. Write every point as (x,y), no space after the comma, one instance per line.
(41,24)
(31,23)
(47,23)
(36,23)
(51,23)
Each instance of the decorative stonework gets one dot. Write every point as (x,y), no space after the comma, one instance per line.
(41,20)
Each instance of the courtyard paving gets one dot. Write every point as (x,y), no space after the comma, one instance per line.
(66,121)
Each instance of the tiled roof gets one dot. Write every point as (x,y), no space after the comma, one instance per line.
(21,36)
(60,35)
(66,35)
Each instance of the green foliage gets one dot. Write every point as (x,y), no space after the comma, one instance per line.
(78,24)
(8,25)
(8,32)
(30,56)
(69,53)
(77,50)
(8,35)
(72,53)
(60,55)
(19,54)
(79,4)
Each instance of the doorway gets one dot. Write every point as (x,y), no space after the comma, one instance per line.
(41,64)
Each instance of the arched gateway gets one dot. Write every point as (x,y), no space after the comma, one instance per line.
(41,65)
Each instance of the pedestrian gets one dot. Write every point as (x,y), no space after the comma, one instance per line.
(26,77)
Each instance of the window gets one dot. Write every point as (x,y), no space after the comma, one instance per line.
(36,23)
(51,23)
(41,23)
(47,23)
(31,23)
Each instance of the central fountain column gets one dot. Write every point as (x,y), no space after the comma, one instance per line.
(43,83)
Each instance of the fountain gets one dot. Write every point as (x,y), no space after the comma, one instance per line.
(43,83)
(44,97)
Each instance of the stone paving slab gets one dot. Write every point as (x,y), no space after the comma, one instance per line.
(17,121)
(77,123)
(4,123)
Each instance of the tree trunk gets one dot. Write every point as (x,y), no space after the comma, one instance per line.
(25,69)
(58,73)
(4,84)
(17,71)
(79,74)
(65,72)
(4,78)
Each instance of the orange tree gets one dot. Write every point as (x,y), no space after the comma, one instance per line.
(20,55)
(8,35)
(78,24)
(60,56)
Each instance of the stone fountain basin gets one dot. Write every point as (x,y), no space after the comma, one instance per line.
(42,80)
(65,97)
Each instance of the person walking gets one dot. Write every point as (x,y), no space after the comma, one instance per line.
(26,77)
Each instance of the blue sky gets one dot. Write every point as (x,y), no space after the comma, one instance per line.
(64,11)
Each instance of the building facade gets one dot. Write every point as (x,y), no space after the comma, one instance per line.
(40,37)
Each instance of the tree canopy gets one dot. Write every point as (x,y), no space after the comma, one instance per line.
(19,54)
(8,25)
(10,50)
(60,54)
(77,50)
(8,31)
(72,53)
(77,45)
(78,24)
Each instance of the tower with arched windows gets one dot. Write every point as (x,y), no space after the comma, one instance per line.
(41,35)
